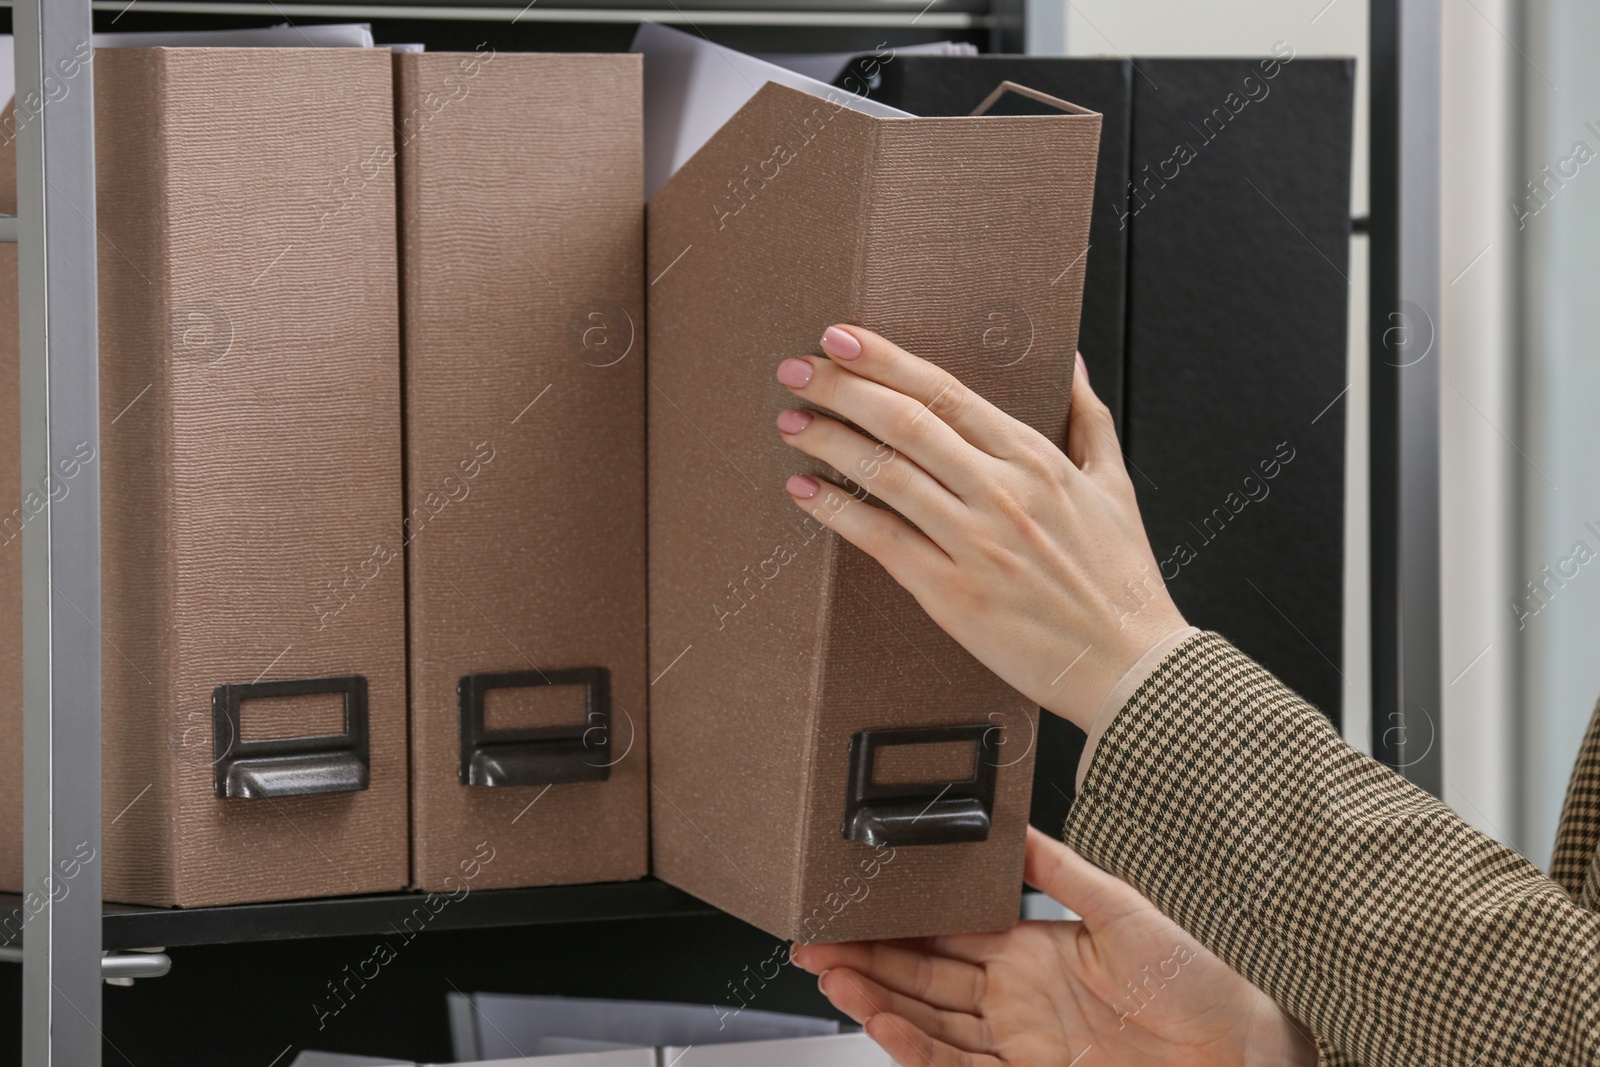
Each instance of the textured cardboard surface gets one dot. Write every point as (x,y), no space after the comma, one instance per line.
(1237,351)
(522,237)
(955,85)
(772,642)
(250,449)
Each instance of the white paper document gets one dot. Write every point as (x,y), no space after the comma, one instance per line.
(837,1050)
(827,66)
(506,1025)
(312,1058)
(637,1057)
(692,87)
(346,35)
(351,35)
(633,1057)
(840,1050)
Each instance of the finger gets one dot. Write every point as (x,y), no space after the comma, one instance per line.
(1091,432)
(861,998)
(909,557)
(908,1046)
(893,418)
(877,468)
(1067,878)
(977,420)
(951,984)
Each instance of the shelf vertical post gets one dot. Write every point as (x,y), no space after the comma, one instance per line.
(1406,675)
(56,245)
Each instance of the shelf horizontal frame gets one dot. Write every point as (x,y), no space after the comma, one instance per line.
(859,17)
(129,926)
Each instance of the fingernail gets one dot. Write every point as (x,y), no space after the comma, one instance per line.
(820,977)
(801,486)
(795,373)
(840,344)
(1083,368)
(792,421)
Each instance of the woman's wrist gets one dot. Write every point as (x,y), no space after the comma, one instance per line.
(1118,645)
(1124,689)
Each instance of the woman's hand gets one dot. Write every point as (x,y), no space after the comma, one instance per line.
(1035,561)
(1124,983)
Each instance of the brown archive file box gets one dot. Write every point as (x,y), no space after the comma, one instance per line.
(826,763)
(253,600)
(522,237)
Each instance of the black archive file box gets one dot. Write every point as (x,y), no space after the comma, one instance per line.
(1214,327)
(1238,290)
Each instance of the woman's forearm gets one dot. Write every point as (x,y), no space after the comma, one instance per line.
(1359,903)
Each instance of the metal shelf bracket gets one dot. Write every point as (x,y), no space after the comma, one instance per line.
(118,968)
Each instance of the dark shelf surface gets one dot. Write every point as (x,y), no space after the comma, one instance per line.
(132,926)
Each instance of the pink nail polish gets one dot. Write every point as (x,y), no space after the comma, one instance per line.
(840,344)
(1083,368)
(801,486)
(792,421)
(795,373)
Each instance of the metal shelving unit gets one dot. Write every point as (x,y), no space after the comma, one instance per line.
(1407,685)
(73,942)
(64,942)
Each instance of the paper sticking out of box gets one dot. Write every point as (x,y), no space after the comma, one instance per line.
(692,87)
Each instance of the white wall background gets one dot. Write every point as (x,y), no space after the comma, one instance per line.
(1561,401)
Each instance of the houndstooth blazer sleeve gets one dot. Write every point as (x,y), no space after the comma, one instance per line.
(1578,836)
(1394,931)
